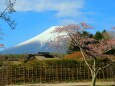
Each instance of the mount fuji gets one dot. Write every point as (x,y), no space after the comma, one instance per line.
(36,44)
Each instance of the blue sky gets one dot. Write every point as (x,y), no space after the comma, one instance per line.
(35,16)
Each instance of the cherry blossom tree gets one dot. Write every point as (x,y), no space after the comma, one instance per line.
(6,9)
(90,48)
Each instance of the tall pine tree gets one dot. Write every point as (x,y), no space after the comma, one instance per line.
(98,36)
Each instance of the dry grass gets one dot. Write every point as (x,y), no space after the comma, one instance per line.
(75,55)
(70,84)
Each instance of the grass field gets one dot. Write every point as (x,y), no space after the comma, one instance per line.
(70,84)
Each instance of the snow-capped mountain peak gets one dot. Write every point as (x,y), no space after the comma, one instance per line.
(43,37)
(36,44)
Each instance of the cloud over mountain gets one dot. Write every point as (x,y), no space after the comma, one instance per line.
(61,7)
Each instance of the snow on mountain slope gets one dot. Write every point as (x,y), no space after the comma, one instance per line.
(42,38)
(35,44)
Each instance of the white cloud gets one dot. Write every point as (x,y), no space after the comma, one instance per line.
(64,8)
(4,4)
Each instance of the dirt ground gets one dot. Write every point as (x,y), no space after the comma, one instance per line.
(70,84)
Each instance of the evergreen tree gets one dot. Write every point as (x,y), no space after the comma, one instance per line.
(98,36)
(85,34)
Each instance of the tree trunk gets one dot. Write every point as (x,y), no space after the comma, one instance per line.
(94,74)
(93,80)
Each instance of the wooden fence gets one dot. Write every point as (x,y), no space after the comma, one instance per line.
(17,74)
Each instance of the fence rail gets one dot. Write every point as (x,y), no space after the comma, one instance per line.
(13,74)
